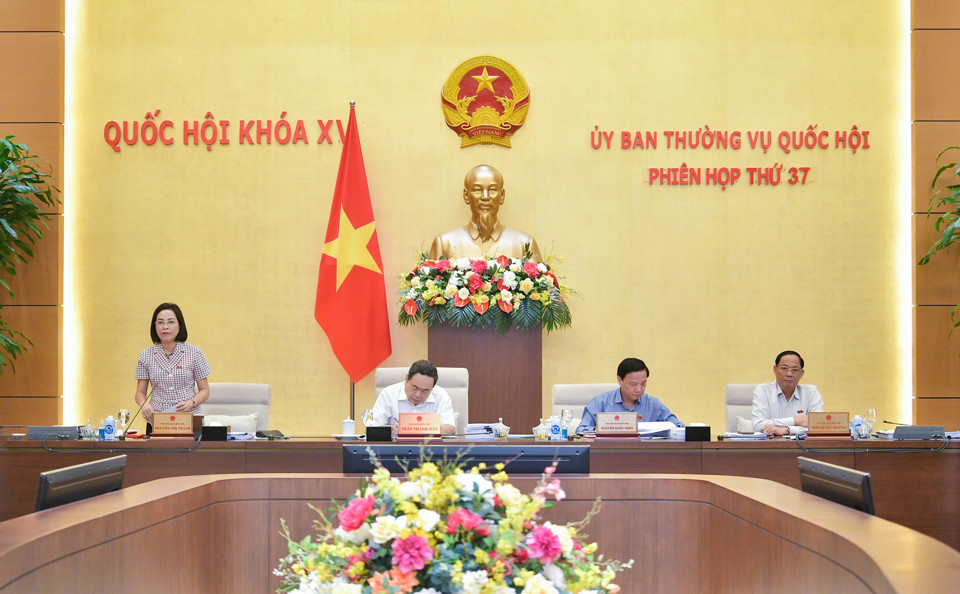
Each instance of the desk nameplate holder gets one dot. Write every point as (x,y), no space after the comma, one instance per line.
(176,424)
(417,426)
(828,424)
(616,424)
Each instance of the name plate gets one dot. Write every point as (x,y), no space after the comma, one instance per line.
(419,425)
(173,425)
(829,424)
(616,424)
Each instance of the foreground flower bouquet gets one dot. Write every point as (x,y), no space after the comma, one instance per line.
(440,530)
(476,293)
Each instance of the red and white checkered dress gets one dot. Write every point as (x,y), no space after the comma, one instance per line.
(173,378)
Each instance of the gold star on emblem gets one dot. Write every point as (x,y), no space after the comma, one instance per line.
(485,81)
(350,248)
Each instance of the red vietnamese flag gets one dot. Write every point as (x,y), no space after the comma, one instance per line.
(351,299)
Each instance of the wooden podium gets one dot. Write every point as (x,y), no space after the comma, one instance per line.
(506,371)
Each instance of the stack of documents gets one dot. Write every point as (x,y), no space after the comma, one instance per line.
(760,436)
(656,429)
(479,431)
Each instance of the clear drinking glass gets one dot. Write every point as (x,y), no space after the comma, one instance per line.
(367,417)
(566,415)
(123,419)
(870,418)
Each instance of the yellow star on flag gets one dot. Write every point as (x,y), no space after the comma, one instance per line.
(350,248)
(485,81)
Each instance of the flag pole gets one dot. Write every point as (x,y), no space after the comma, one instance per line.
(352,386)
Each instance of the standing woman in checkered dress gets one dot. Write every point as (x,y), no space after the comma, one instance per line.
(176,371)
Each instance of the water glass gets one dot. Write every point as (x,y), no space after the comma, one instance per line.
(123,419)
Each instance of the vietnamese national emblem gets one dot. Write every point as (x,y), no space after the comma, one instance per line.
(485,100)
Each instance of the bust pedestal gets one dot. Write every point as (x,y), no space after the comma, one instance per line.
(506,371)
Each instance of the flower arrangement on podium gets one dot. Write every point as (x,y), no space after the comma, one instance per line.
(477,293)
(444,530)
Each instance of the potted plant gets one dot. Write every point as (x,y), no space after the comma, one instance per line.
(23,189)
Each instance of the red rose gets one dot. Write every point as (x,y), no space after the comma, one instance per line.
(356,513)
(475,283)
(531,269)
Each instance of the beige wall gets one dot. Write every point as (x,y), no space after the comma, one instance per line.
(705,285)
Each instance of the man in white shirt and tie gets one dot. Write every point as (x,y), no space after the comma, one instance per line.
(783,407)
(417,393)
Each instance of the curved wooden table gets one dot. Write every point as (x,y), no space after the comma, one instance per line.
(218,533)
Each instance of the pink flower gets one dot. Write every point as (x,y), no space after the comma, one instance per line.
(478,266)
(468,520)
(476,281)
(544,545)
(443,265)
(531,269)
(356,513)
(411,553)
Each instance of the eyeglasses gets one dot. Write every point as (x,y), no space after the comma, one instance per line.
(793,370)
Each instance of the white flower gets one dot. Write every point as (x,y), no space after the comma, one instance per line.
(387,528)
(415,490)
(415,282)
(427,591)
(425,271)
(491,263)
(539,585)
(344,587)
(428,519)
(555,575)
(515,266)
(473,581)
(541,267)
(468,481)
(563,535)
(506,295)
(357,536)
(509,495)
(463,293)
(463,263)
(509,276)
(411,294)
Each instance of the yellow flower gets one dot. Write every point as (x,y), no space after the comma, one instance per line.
(535,296)
(526,285)
(439,301)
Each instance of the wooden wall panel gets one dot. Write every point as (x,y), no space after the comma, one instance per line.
(45,141)
(42,410)
(39,281)
(936,82)
(40,371)
(929,139)
(936,365)
(936,14)
(31,15)
(936,283)
(33,82)
(937,411)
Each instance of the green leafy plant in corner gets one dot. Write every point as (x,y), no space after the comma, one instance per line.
(24,189)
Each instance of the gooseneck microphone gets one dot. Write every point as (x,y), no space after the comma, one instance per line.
(123,436)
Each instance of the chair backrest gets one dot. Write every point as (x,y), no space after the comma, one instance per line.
(738,400)
(455,380)
(576,396)
(240,399)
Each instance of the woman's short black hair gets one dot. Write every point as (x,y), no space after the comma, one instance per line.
(181,336)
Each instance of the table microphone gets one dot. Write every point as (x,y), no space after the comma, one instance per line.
(123,436)
(901,424)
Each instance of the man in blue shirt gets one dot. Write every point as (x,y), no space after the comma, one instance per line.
(631,396)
